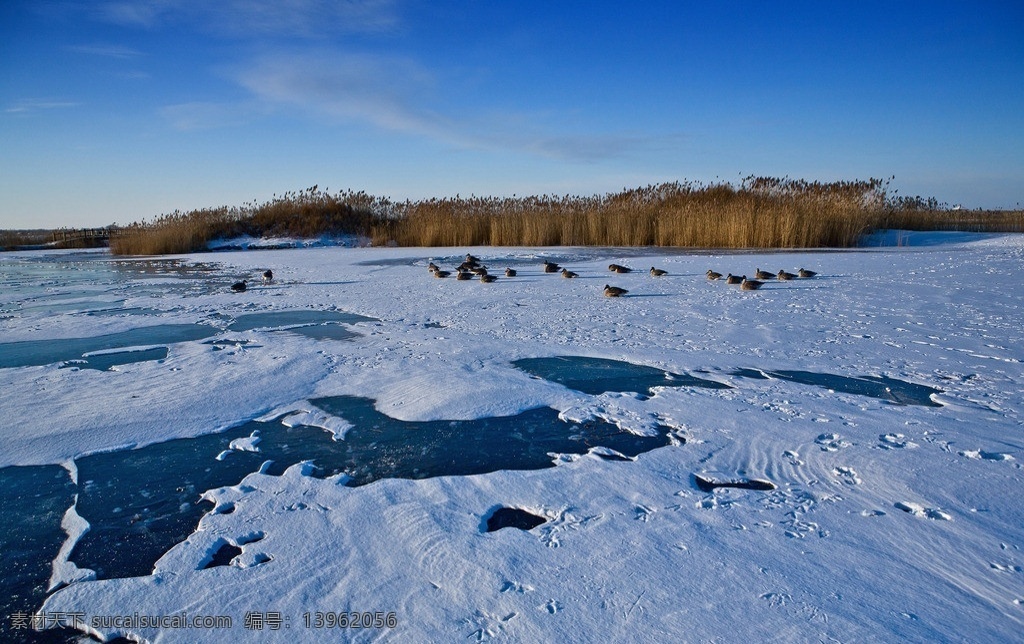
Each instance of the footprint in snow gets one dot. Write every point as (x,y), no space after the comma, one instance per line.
(1006,567)
(895,441)
(487,625)
(798,529)
(551,607)
(515,587)
(988,456)
(919,510)
(643,513)
(847,475)
(831,442)
(776,600)
(551,533)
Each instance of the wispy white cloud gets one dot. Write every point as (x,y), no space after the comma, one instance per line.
(245,18)
(399,95)
(595,147)
(389,92)
(28,106)
(143,13)
(194,116)
(107,51)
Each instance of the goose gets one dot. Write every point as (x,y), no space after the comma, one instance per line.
(487,279)
(238,287)
(803,272)
(617,268)
(750,285)
(471,259)
(463,275)
(440,273)
(551,267)
(657,272)
(712,275)
(614,291)
(763,275)
(479,270)
(268,276)
(784,276)
(433,267)
(733,279)
(566,273)
(509,272)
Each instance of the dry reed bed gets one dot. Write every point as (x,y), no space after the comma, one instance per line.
(762,212)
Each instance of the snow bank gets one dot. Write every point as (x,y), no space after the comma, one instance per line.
(887,521)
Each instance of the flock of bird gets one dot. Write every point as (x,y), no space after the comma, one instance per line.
(760,277)
(471,268)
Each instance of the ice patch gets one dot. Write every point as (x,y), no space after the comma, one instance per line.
(317,418)
(248,444)
(505,517)
(65,571)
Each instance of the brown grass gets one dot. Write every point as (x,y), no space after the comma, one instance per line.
(762,212)
(14,239)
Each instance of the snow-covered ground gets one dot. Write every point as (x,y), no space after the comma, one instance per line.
(887,521)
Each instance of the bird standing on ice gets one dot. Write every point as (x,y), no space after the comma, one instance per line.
(268,276)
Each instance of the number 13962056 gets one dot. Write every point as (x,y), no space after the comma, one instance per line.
(350,619)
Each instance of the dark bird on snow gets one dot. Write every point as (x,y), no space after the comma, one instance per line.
(803,272)
(614,291)
(784,276)
(463,275)
(569,274)
(471,259)
(433,267)
(657,272)
(268,276)
(712,275)
(479,270)
(551,267)
(440,273)
(616,268)
(486,279)
(238,287)
(733,279)
(510,272)
(750,285)
(763,275)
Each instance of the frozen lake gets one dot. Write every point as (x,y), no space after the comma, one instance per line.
(837,457)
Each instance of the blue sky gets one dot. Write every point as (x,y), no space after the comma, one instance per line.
(118,111)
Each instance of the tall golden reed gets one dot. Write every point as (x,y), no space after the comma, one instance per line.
(762,212)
